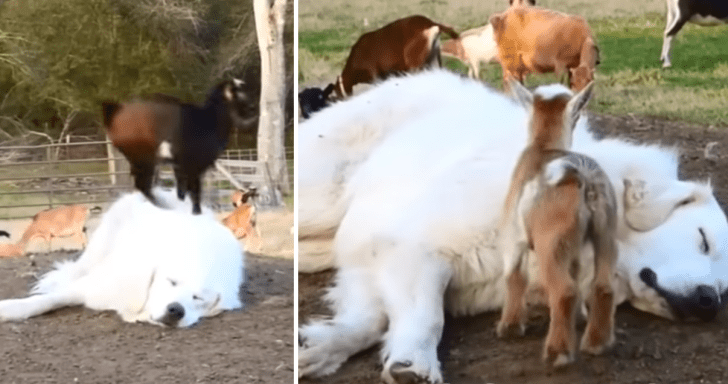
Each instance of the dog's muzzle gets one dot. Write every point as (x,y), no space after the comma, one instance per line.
(175,313)
(702,302)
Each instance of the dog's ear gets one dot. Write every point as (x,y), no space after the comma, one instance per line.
(137,290)
(645,209)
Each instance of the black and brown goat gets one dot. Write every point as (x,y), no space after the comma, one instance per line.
(163,128)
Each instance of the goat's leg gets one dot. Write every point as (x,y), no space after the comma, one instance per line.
(674,22)
(143,178)
(599,333)
(182,182)
(195,187)
(514,250)
(562,293)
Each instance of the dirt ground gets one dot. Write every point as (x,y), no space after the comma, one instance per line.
(76,345)
(648,349)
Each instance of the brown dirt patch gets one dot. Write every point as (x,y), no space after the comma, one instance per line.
(648,350)
(70,345)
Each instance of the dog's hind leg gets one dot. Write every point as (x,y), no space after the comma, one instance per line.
(414,301)
(21,309)
(358,323)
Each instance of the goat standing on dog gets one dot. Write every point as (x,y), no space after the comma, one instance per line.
(165,129)
(558,200)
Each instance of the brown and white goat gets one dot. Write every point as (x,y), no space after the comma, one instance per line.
(537,40)
(63,221)
(473,47)
(242,221)
(557,202)
(403,45)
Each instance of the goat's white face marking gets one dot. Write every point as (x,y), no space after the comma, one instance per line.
(552,91)
(229,95)
(165,150)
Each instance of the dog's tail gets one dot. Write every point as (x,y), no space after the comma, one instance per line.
(63,274)
(21,309)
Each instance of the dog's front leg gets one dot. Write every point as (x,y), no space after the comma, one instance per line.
(414,290)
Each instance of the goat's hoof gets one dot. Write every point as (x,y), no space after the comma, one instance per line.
(510,330)
(596,345)
(558,360)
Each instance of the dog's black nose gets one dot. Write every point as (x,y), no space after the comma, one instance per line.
(706,302)
(175,313)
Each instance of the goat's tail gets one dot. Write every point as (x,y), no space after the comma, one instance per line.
(448,30)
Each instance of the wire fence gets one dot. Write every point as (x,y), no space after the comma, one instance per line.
(38,177)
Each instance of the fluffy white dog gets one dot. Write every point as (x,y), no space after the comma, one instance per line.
(161,266)
(411,177)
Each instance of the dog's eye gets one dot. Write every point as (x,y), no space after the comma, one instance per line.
(173,282)
(195,297)
(704,247)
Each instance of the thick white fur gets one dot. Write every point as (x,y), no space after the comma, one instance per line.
(413,173)
(134,257)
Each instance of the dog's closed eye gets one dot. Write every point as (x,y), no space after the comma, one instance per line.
(173,282)
(195,297)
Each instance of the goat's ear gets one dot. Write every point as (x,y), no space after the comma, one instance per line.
(109,110)
(328,90)
(579,101)
(520,93)
(496,20)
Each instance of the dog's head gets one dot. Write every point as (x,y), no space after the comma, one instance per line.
(175,301)
(676,252)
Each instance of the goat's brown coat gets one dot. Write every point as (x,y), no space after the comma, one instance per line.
(402,45)
(537,40)
(558,218)
(64,221)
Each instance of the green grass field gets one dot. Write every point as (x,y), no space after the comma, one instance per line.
(629,79)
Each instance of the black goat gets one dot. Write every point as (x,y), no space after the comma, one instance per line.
(314,99)
(163,128)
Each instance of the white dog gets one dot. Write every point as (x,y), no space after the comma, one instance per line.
(161,266)
(411,177)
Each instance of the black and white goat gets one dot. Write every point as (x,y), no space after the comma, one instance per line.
(701,12)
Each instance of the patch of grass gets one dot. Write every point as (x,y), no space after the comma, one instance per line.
(629,79)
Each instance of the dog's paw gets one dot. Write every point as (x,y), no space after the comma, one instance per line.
(319,361)
(419,366)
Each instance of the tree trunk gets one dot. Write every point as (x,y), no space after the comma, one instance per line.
(269,22)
